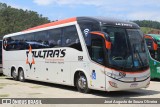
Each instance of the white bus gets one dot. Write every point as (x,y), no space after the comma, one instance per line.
(86,52)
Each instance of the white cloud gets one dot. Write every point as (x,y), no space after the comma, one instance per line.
(129,9)
(98,2)
(69,2)
(14,5)
(43,2)
(19,7)
(145,15)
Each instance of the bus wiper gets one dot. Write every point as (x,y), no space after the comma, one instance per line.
(125,63)
(116,66)
(137,52)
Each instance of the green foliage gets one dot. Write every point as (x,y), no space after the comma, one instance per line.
(15,20)
(148,23)
(146,30)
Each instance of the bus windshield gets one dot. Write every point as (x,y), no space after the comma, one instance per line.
(128,50)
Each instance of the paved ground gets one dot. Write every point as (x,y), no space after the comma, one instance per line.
(33,89)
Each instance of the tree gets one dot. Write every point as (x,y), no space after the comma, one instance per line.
(148,23)
(15,20)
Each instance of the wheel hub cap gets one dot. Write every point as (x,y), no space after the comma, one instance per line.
(82,82)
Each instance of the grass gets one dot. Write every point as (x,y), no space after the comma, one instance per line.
(3,84)
(4,95)
(146,30)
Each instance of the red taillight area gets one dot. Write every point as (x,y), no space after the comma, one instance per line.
(113,84)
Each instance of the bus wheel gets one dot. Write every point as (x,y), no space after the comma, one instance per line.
(13,74)
(81,83)
(21,75)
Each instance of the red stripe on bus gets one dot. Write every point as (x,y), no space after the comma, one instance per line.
(52,24)
(130,72)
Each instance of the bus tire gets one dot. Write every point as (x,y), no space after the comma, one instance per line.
(14,74)
(81,83)
(21,76)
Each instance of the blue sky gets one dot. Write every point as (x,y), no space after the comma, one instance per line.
(121,9)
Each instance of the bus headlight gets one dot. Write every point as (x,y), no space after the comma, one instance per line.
(116,76)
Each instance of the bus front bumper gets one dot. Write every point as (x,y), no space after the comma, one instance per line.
(117,85)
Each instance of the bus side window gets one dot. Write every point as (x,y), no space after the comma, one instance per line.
(40,40)
(149,43)
(70,38)
(7,43)
(29,38)
(97,49)
(54,38)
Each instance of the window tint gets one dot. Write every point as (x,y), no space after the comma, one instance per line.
(54,38)
(119,43)
(6,43)
(149,43)
(87,27)
(14,43)
(29,40)
(19,42)
(41,40)
(97,49)
(44,39)
(70,38)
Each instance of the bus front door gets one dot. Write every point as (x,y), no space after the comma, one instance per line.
(96,45)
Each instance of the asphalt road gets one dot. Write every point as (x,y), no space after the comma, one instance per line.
(10,88)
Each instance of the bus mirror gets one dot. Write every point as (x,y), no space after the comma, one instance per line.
(155,46)
(105,36)
(107,41)
(151,43)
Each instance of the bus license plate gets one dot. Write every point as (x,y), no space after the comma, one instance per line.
(134,85)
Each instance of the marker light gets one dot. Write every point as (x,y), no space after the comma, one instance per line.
(113,84)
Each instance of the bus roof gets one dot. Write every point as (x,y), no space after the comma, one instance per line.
(43,26)
(52,24)
(111,22)
(102,20)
